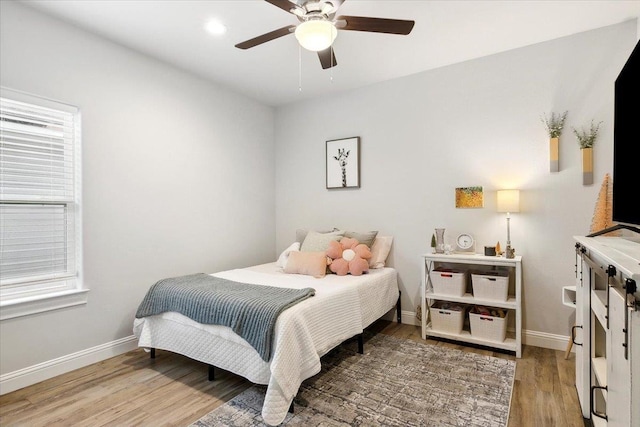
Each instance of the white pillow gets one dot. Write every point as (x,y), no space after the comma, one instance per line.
(284,256)
(380,251)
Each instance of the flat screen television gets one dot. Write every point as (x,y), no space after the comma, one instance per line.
(626,142)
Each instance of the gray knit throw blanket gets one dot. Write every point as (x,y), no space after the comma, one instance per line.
(249,310)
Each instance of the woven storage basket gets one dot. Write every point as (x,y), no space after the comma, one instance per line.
(492,286)
(445,320)
(448,282)
(490,328)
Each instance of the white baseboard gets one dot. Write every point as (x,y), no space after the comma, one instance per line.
(42,371)
(545,340)
(533,338)
(409,318)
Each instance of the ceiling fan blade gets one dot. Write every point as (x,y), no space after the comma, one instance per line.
(266,37)
(376,25)
(327,58)
(285,5)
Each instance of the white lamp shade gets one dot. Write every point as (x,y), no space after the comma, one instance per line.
(316,35)
(508,200)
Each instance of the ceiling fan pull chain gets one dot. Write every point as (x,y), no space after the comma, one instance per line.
(299,68)
(332,64)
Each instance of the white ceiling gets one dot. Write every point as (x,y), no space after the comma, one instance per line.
(278,72)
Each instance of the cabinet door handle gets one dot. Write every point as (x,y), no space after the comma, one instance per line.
(611,274)
(573,334)
(630,288)
(602,415)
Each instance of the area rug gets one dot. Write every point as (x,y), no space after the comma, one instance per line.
(397,382)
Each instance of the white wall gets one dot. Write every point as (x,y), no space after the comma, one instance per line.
(178,177)
(179,174)
(473,123)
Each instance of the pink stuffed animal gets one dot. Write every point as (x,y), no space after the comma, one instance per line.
(348,256)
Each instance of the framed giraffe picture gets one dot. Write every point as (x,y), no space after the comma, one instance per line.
(343,163)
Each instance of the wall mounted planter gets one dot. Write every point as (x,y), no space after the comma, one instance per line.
(587,165)
(554,160)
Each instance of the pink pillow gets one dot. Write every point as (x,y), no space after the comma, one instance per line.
(348,256)
(307,263)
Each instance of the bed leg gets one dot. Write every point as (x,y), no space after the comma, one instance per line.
(399,307)
(360,344)
(212,373)
(291,408)
(153,353)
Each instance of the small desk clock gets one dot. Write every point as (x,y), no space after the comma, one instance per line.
(465,243)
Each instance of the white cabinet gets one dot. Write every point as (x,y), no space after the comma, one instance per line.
(480,264)
(607,330)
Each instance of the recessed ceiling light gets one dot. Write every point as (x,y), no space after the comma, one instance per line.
(216,28)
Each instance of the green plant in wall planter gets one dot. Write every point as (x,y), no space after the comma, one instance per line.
(586,139)
(554,125)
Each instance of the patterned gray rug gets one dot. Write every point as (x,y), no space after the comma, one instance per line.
(397,382)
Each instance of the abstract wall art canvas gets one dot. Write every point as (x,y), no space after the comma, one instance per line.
(469,197)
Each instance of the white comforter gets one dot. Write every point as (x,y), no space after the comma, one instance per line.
(341,308)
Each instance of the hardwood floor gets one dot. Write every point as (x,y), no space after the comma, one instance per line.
(172,390)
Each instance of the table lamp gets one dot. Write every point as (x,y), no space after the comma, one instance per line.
(508,201)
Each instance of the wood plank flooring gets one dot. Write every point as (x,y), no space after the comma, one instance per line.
(172,390)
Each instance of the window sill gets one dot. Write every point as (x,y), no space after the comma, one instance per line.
(19,307)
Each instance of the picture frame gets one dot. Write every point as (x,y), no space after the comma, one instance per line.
(343,163)
(469,197)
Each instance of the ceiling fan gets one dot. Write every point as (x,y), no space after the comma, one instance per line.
(319,26)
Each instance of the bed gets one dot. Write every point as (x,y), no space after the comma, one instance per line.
(341,308)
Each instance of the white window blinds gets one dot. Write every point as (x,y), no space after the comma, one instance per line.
(39,185)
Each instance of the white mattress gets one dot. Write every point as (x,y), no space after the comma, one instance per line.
(341,308)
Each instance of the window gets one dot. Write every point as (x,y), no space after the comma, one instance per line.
(40,230)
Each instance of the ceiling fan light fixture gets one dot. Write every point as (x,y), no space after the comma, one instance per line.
(316,35)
